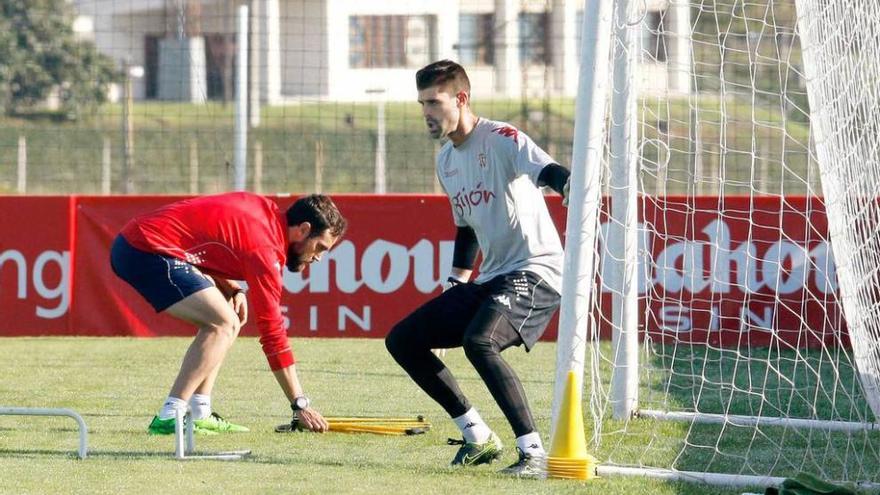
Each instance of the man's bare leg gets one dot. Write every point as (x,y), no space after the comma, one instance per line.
(218,326)
(200,401)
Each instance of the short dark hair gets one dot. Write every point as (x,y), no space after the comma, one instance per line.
(443,72)
(320,211)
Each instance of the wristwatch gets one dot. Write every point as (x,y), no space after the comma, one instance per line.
(300,403)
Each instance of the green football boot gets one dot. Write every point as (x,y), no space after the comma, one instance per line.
(473,454)
(161,426)
(216,424)
(166,427)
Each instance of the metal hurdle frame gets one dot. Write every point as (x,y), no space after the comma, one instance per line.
(185,443)
(70,413)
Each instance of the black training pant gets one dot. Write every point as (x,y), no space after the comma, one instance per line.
(485,319)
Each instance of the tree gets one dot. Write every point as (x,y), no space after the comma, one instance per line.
(39,52)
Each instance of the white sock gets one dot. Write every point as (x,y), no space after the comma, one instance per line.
(472,426)
(200,405)
(530,443)
(171,406)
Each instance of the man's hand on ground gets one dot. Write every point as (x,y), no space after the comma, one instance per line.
(312,420)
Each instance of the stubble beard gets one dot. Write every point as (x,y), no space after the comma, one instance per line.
(294,262)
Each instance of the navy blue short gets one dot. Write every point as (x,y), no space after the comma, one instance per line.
(162,280)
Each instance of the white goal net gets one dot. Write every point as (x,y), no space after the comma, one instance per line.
(724,341)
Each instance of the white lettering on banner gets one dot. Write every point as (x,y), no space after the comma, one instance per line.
(21,263)
(714,318)
(60,292)
(400,260)
(674,319)
(713,264)
(344,314)
(750,320)
(697,265)
(678,319)
(822,261)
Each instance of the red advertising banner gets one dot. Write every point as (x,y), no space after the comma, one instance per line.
(755,270)
(726,272)
(102,303)
(34,265)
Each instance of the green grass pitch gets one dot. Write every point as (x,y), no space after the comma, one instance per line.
(117,384)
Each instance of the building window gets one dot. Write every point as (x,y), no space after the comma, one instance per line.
(151,66)
(654,38)
(377,41)
(534,30)
(476,35)
(220,55)
(219,60)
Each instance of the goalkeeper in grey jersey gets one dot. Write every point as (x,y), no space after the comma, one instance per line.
(492,174)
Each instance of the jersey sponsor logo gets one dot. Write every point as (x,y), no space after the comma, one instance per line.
(508,131)
(465,201)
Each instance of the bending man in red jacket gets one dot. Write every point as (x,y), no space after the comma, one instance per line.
(184,260)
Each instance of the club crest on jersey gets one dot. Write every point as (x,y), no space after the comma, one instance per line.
(508,131)
(481,158)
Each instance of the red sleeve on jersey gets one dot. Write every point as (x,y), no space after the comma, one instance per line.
(263,276)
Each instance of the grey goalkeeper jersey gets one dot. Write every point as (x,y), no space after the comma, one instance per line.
(491,180)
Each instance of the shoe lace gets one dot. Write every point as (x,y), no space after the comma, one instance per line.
(525,458)
(218,418)
(522,459)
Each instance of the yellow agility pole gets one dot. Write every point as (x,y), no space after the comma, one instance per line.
(380,424)
(399,424)
(374,425)
(375,429)
(378,419)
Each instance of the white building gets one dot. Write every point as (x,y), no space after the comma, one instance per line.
(344,49)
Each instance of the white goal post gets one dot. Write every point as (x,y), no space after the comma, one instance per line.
(726,343)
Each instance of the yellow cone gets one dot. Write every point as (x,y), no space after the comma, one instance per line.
(569,441)
(568,454)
